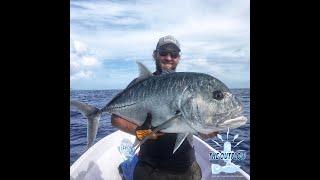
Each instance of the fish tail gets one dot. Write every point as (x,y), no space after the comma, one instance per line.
(93,115)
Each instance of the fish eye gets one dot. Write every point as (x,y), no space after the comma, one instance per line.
(218,95)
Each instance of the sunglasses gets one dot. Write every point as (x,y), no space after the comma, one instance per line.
(174,54)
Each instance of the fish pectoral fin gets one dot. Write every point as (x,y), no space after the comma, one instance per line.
(168,122)
(164,125)
(180,138)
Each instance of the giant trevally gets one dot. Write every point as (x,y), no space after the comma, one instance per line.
(180,102)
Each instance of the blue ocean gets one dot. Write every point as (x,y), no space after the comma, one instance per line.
(99,98)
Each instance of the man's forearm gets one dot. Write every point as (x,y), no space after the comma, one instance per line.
(123,124)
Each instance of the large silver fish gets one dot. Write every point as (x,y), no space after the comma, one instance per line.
(182,102)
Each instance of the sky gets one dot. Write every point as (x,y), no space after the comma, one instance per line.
(107,37)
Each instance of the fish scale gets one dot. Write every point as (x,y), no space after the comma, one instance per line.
(171,85)
(179,102)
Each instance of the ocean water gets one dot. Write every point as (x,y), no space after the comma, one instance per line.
(99,98)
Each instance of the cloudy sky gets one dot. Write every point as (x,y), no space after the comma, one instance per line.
(108,37)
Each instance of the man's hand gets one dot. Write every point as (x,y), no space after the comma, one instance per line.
(146,130)
(206,136)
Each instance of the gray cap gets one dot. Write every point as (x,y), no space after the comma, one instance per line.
(168,40)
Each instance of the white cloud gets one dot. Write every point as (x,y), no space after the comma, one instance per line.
(214,22)
(82,62)
(89,61)
(79,47)
(215,30)
(81,75)
(227,73)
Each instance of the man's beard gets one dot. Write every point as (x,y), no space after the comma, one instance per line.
(161,70)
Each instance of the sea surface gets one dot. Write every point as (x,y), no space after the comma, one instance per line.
(99,98)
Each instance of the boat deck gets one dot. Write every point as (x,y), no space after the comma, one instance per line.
(101,161)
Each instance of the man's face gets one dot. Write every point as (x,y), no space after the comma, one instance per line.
(167,59)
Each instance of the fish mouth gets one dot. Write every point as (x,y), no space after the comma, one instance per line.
(231,119)
(233,122)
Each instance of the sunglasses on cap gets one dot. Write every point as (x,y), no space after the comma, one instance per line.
(174,54)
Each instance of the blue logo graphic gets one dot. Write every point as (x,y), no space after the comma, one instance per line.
(227,155)
(130,159)
(126,149)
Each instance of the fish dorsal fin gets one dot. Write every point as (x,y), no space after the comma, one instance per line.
(143,72)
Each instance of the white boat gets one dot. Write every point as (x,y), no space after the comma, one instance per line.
(101,161)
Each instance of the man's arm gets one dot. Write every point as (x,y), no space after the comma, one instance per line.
(129,127)
(123,124)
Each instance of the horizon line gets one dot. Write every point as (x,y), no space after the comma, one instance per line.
(124,88)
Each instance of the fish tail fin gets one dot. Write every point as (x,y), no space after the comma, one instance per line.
(93,115)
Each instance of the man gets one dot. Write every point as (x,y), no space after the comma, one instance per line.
(156,160)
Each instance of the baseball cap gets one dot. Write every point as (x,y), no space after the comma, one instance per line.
(168,40)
